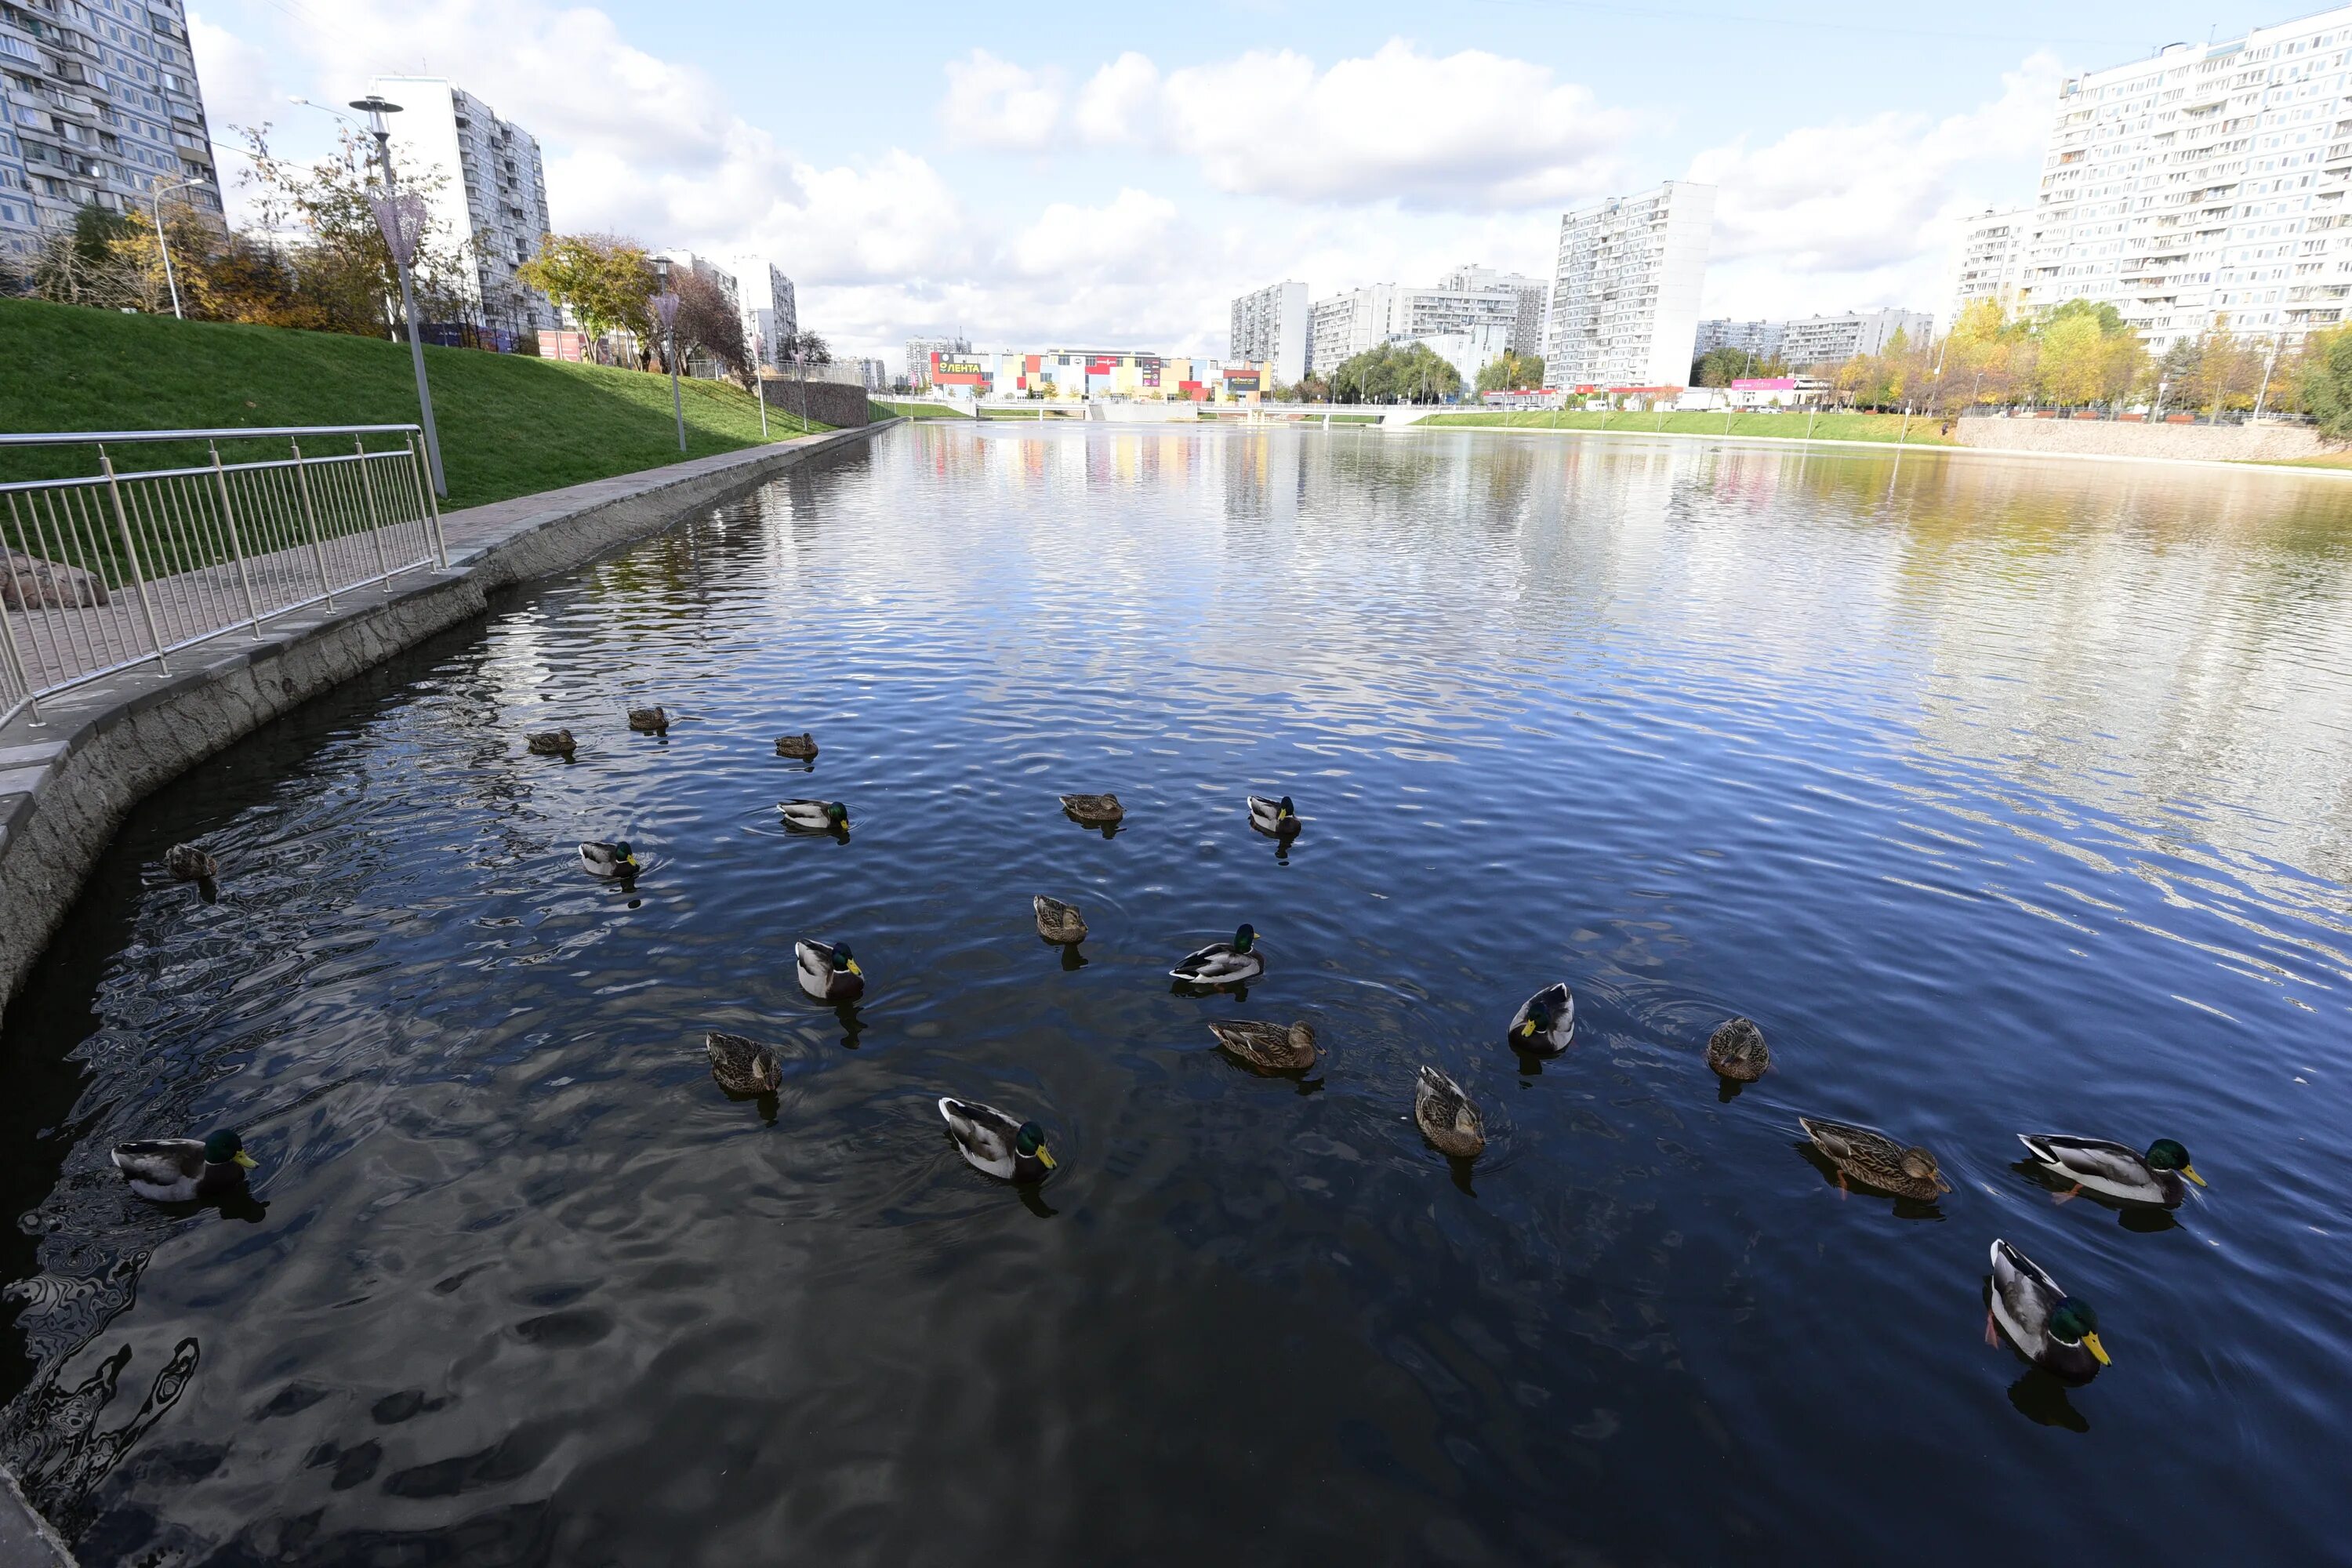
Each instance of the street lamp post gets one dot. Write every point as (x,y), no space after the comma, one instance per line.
(155,201)
(758,381)
(665,305)
(401,215)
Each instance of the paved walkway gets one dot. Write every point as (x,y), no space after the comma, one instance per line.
(57,643)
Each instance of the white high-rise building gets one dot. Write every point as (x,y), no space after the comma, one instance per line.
(1529,295)
(1990,258)
(2207,180)
(491,193)
(771,313)
(1830,339)
(101,107)
(1344,325)
(1491,307)
(1269,327)
(919,351)
(1624,296)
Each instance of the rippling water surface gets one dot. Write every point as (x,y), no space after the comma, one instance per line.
(2004,796)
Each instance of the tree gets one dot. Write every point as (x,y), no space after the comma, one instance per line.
(708,320)
(2223,365)
(1515,371)
(605,281)
(348,278)
(1722,366)
(1415,372)
(2325,382)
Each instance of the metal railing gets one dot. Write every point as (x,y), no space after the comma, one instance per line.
(110,570)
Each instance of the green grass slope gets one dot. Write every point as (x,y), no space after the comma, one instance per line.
(509,425)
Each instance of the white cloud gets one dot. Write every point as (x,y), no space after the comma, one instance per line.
(1471,129)
(1130,233)
(1119,102)
(994,103)
(1852,215)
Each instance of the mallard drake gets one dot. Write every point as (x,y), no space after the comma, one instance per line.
(1222,962)
(2054,1331)
(1278,817)
(1268,1045)
(743,1066)
(553,743)
(2112,1171)
(654,721)
(603,859)
(1448,1117)
(1094,810)
(1736,1050)
(828,973)
(992,1142)
(1874,1160)
(190,863)
(800,748)
(1058,922)
(814,816)
(183,1170)
(1546,1022)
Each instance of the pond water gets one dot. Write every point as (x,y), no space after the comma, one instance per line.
(2005,795)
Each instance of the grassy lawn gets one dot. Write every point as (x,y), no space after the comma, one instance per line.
(917,410)
(1786,427)
(509,425)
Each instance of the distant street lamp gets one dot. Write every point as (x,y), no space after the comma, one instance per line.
(401,215)
(665,305)
(155,201)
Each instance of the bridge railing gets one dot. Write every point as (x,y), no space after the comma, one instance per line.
(122,566)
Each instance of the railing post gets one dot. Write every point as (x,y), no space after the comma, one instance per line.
(310,522)
(16,655)
(375,518)
(236,541)
(137,573)
(424,494)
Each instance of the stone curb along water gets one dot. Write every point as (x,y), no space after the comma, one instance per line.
(66,784)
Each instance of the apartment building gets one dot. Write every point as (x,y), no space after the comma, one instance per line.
(1625,291)
(771,316)
(2207,180)
(102,108)
(492,190)
(923,353)
(1529,295)
(1830,339)
(1474,306)
(1761,338)
(1269,327)
(1990,258)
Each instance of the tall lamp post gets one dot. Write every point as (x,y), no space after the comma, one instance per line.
(665,305)
(155,201)
(401,215)
(760,381)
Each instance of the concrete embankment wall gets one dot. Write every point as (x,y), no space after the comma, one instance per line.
(67,784)
(2119,438)
(826,402)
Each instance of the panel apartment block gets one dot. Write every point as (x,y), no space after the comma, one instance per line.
(1990,260)
(2208,181)
(1269,327)
(493,190)
(1626,293)
(102,110)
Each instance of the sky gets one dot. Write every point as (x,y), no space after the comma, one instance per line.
(1110,177)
